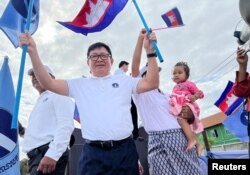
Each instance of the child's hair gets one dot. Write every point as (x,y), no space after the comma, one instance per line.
(185,66)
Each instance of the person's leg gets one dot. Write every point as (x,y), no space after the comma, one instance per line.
(125,159)
(88,162)
(157,156)
(33,168)
(189,118)
(199,149)
(188,133)
(167,155)
(37,157)
(133,111)
(34,163)
(122,160)
(61,164)
(142,149)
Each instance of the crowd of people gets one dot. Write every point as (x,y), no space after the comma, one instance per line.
(104,101)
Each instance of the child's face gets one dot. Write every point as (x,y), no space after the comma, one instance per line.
(179,74)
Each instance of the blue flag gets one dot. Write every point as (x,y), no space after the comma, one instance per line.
(12,22)
(9,156)
(22,6)
(236,123)
(95,16)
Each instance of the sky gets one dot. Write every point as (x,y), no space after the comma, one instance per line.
(205,42)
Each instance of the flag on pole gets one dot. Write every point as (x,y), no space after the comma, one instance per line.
(9,149)
(228,102)
(22,6)
(95,16)
(172,18)
(237,122)
(12,22)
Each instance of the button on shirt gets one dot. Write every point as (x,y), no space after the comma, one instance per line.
(51,121)
(153,107)
(104,105)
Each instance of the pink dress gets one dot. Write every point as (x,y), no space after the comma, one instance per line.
(179,97)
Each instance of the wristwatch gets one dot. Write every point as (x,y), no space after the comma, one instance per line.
(150,55)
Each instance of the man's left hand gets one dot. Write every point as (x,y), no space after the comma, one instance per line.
(47,165)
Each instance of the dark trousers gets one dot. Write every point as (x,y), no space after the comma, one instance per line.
(121,160)
(133,111)
(142,149)
(36,155)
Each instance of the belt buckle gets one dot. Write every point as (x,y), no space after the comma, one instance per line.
(107,144)
(111,143)
(102,144)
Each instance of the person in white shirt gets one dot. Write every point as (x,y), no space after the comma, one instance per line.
(123,68)
(47,135)
(104,102)
(166,140)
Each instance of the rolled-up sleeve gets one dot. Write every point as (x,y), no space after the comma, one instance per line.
(242,88)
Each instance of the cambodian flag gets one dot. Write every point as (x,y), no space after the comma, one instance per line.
(9,156)
(228,102)
(95,16)
(172,18)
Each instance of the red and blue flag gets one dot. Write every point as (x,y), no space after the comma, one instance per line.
(95,16)
(173,18)
(228,102)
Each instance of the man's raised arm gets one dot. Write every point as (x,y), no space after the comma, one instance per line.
(57,86)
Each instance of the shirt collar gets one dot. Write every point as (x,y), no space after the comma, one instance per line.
(101,78)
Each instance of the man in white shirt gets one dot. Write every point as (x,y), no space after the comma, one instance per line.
(47,135)
(104,102)
(123,68)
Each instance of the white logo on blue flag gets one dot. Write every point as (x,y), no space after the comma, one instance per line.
(9,156)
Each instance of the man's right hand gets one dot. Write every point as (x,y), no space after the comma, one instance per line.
(26,39)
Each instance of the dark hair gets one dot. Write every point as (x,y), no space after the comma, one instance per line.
(123,63)
(98,45)
(185,66)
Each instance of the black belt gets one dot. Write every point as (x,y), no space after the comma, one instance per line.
(107,144)
(37,150)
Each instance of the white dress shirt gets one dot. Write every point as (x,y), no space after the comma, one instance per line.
(51,121)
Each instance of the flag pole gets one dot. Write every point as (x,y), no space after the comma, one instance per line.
(148,31)
(21,70)
(162,28)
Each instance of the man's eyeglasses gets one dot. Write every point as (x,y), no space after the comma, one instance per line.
(96,57)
